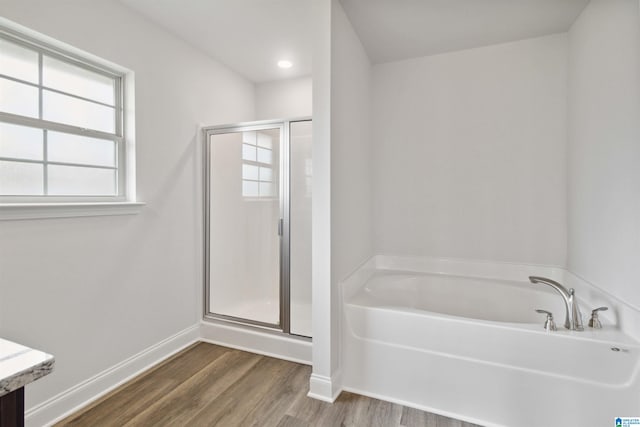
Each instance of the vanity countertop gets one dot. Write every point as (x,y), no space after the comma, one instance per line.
(20,365)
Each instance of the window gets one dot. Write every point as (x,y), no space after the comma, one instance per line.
(61,125)
(257,165)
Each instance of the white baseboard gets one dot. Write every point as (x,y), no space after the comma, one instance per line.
(80,395)
(325,388)
(241,338)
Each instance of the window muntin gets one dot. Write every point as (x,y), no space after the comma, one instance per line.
(61,126)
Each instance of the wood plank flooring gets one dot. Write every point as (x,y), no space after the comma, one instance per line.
(209,385)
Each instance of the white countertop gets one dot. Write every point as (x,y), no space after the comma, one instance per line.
(20,365)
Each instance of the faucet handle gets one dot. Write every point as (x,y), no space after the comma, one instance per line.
(549,324)
(594,322)
(596,310)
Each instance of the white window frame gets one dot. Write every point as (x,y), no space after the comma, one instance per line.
(124,202)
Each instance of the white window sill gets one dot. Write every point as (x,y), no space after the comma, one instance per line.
(15,211)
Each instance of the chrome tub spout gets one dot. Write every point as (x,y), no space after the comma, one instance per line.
(573,318)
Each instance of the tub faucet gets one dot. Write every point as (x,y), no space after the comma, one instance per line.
(573,318)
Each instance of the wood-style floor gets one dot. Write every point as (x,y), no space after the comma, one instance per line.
(209,385)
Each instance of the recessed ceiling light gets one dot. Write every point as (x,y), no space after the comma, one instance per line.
(284,64)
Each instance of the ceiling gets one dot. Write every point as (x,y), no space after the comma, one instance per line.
(250,36)
(392,30)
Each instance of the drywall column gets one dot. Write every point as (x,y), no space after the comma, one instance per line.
(604,148)
(324,324)
(341,103)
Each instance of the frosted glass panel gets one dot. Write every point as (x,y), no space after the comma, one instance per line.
(249,152)
(20,142)
(264,156)
(18,98)
(266,174)
(18,62)
(21,179)
(264,140)
(300,282)
(72,180)
(250,172)
(266,189)
(63,147)
(249,137)
(73,111)
(244,245)
(250,189)
(78,81)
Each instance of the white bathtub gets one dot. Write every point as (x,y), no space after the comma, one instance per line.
(473,348)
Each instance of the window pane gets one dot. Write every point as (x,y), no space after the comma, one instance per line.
(76,80)
(18,62)
(73,180)
(266,189)
(73,111)
(18,98)
(63,147)
(264,140)
(264,156)
(21,179)
(20,142)
(266,174)
(248,152)
(250,189)
(250,172)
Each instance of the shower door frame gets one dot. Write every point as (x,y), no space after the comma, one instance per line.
(284,126)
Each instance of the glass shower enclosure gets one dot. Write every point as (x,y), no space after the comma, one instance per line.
(258,224)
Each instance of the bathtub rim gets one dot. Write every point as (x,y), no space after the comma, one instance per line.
(621,315)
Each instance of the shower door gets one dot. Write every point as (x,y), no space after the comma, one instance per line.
(246,224)
(258,224)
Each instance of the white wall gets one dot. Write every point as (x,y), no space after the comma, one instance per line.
(470,153)
(95,291)
(351,218)
(604,147)
(284,99)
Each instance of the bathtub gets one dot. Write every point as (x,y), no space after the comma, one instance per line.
(468,344)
